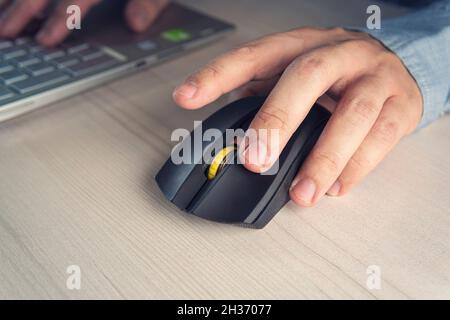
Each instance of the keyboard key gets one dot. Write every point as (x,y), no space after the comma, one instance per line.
(33,47)
(147,45)
(90,53)
(75,48)
(12,52)
(97,64)
(5,44)
(10,77)
(52,54)
(66,61)
(40,68)
(26,60)
(5,93)
(22,41)
(5,67)
(40,82)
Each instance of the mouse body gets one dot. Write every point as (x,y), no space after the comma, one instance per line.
(236,195)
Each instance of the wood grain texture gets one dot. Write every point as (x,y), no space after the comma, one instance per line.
(77,187)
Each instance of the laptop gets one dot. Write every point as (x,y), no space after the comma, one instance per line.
(104,49)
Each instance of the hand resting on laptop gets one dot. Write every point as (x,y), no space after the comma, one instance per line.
(16,14)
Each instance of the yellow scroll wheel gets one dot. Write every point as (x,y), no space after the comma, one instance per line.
(219,161)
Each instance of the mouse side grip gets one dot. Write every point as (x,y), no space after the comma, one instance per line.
(281,197)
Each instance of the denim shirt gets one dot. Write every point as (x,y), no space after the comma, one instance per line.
(421,39)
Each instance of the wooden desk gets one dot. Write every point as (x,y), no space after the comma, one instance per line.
(77,188)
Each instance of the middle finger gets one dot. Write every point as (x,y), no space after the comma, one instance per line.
(355,115)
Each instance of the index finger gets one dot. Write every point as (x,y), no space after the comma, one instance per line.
(55,29)
(303,82)
(258,60)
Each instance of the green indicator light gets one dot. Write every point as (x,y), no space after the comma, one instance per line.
(176,35)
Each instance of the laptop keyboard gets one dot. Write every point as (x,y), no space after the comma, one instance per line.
(26,67)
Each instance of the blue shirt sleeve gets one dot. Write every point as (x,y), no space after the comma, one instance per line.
(422,41)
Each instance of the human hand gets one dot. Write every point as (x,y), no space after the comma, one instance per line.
(16,14)
(378,101)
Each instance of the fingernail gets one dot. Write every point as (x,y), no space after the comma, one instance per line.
(304,189)
(335,189)
(186,90)
(294,183)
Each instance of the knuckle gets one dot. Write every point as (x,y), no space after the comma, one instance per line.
(339,30)
(331,161)
(273,117)
(387,131)
(361,108)
(358,44)
(308,29)
(246,52)
(360,163)
(390,62)
(302,31)
(311,64)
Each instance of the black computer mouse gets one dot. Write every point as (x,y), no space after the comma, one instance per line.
(233,194)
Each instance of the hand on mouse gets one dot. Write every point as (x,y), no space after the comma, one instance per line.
(16,14)
(378,101)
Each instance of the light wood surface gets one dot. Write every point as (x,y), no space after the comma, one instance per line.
(77,188)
